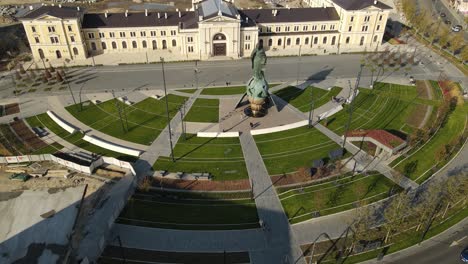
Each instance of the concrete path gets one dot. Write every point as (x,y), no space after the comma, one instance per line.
(282,245)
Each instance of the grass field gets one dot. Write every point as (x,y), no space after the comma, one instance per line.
(387,106)
(301,98)
(204,110)
(173,211)
(229,90)
(143,121)
(43,120)
(188,91)
(289,150)
(222,157)
(332,197)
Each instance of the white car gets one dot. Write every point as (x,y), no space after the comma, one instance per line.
(456,28)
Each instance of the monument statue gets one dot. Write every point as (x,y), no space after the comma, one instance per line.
(257,86)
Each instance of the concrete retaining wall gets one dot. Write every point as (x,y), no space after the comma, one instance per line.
(217,134)
(110,146)
(279,128)
(71,129)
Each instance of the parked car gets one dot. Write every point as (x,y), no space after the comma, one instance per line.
(464,255)
(448,22)
(443,15)
(455,29)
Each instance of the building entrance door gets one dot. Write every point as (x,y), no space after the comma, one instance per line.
(219,49)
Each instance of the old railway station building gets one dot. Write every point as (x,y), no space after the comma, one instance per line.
(210,29)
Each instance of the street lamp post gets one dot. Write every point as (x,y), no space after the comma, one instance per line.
(298,65)
(196,74)
(167,109)
(312,105)
(351,104)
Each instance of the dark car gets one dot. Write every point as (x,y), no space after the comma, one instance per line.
(443,15)
(464,255)
(448,22)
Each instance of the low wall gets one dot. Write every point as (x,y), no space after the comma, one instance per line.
(217,134)
(330,112)
(110,146)
(71,129)
(351,97)
(279,128)
(122,164)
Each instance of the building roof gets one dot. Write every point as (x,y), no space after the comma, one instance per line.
(285,15)
(360,4)
(211,8)
(56,11)
(383,137)
(118,20)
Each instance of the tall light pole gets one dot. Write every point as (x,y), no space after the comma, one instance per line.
(69,87)
(119,111)
(167,109)
(351,104)
(312,105)
(196,74)
(298,65)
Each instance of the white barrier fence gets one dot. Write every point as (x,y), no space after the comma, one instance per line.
(114,147)
(279,128)
(71,129)
(217,134)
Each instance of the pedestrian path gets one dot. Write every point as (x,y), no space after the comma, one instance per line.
(279,237)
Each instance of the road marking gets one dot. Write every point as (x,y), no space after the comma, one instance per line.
(457,242)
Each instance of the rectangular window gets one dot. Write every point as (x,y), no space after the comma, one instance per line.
(190,40)
(54,40)
(143,33)
(268,29)
(378,27)
(314,27)
(112,34)
(70,28)
(352,19)
(72,38)
(190,48)
(366,19)
(296,28)
(332,27)
(173,32)
(132,34)
(33,29)
(278,29)
(122,34)
(101,34)
(91,35)
(323,27)
(153,33)
(305,28)
(247,46)
(36,39)
(350,28)
(380,18)
(51,29)
(247,37)
(286,29)
(364,28)
(163,33)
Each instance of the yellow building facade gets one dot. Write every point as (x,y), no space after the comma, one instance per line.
(208,30)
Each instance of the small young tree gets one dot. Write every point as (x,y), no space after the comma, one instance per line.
(456,43)
(21,67)
(17,76)
(45,79)
(395,214)
(58,77)
(47,74)
(33,75)
(52,69)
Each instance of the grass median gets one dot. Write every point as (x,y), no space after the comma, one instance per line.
(204,110)
(301,98)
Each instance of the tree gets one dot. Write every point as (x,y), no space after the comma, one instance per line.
(21,67)
(58,77)
(52,69)
(33,75)
(395,214)
(44,78)
(429,202)
(47,74)
(441,154)
(17,76)
(464,54)
(456,43)
(444,38)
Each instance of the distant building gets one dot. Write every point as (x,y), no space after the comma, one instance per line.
(212,28)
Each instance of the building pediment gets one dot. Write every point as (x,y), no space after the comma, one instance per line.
(47,17)
(221,19)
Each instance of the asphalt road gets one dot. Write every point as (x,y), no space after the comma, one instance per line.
(436,7)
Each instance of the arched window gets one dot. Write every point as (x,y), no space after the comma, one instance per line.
(333,40)
(298,41)
(143,44)
(347,40)
(41,53)
(75,51)
(114,45)
(134,44)
(104,45)
(325,40)
(279,42)
(260,42)
(164,44)
(362,41)
(270,42)
(219,36)
(315,40)
(58,54)
(288,41)
(155,45)
(124,44)
(174,43)
(375,38)
(306,41)
(93,46)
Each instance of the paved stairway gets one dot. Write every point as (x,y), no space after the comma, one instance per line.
(281,246)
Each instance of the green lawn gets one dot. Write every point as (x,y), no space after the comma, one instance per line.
(388,106)
(332,197)
(204,110)
(289,150)
(142,122)
(49,149)
(230,90)
(424,157)
(188,91)
(301,99)
(222,157)
(43,120)
(172,211)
